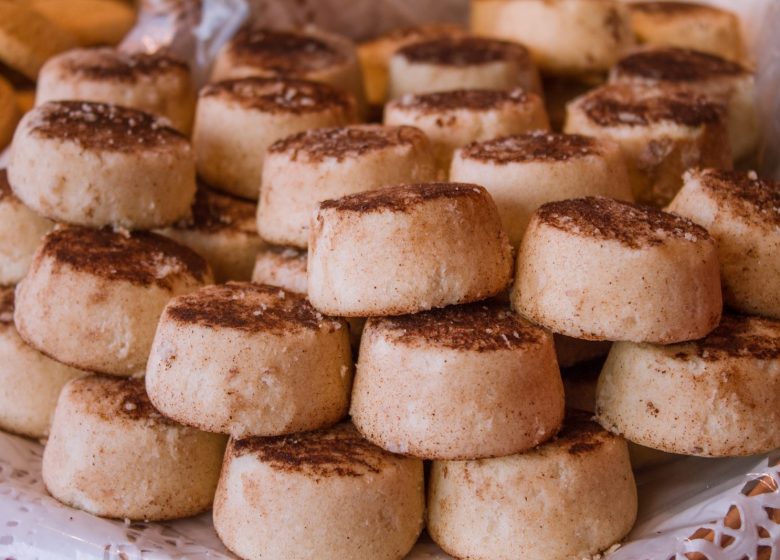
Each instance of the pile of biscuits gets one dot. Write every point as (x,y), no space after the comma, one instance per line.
(267,299)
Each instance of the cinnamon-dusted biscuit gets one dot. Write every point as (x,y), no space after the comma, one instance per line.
(237,120)
(462,382)
(742,213)
(92,298)
(452,119)
(91,22)
(601,269)
(688,25)
(448,63)
(9,113)
(572,497)
(222,230)
(96,164)
(662,131)
(284,267)
(304,169)
(568,37)
(523,172)
(406,249)
(320,495)
(21,231)
(29,381)
(156,83)
(112,454)
(714,397)
(375,54)
(249,360)
(311,55)
(722,80)
(28,39)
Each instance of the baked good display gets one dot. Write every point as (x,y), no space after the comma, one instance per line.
(21,231)
(448,63)
(406,249)
(311,55)
(662,131)
(237,120)
(742,213)
(565,37)
(462,382)
(223,230)
(645,391)
(723,80)
(524,171)
(284,267)
(29,381)
(112,454)
(91,22)
(155,83)
(249,360)
(324,494)
(302,170)
(573,273)
(95,164)
(688,25)
(524,506)
(454,118)
(92,298)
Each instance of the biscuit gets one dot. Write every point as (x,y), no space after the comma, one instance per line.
(9,113)
(462,382)
(29,381)
(284,267)
(155,83)
(91,22)
(406,249)
(21,231)
(523,172)
(95,165)
(310,54)
(302,170)
(448,63)
(452,119)
(28,39)
(222,230)
(662,131)
(722,80)
(112,454)
(318,495)
(92,298)
(237,120)
(601,269)
(742,213)
(714,397)
(565,37)
(249,360)
(688,25)
(572,497)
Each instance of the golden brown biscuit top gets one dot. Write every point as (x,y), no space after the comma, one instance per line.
(463,51)
(672,8)
(117,398)
(630,105)
(479,327)
(6,305)
(339,451)
(283,53)
(531,147)
(280,95)
(141,258)
(613,220)
(737,336)
(102,126)
(453,100)
(676,65)
(107,64)
(402,198)
(214,212)
(249,307)
(750,198)
(579,435)
(318,144)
